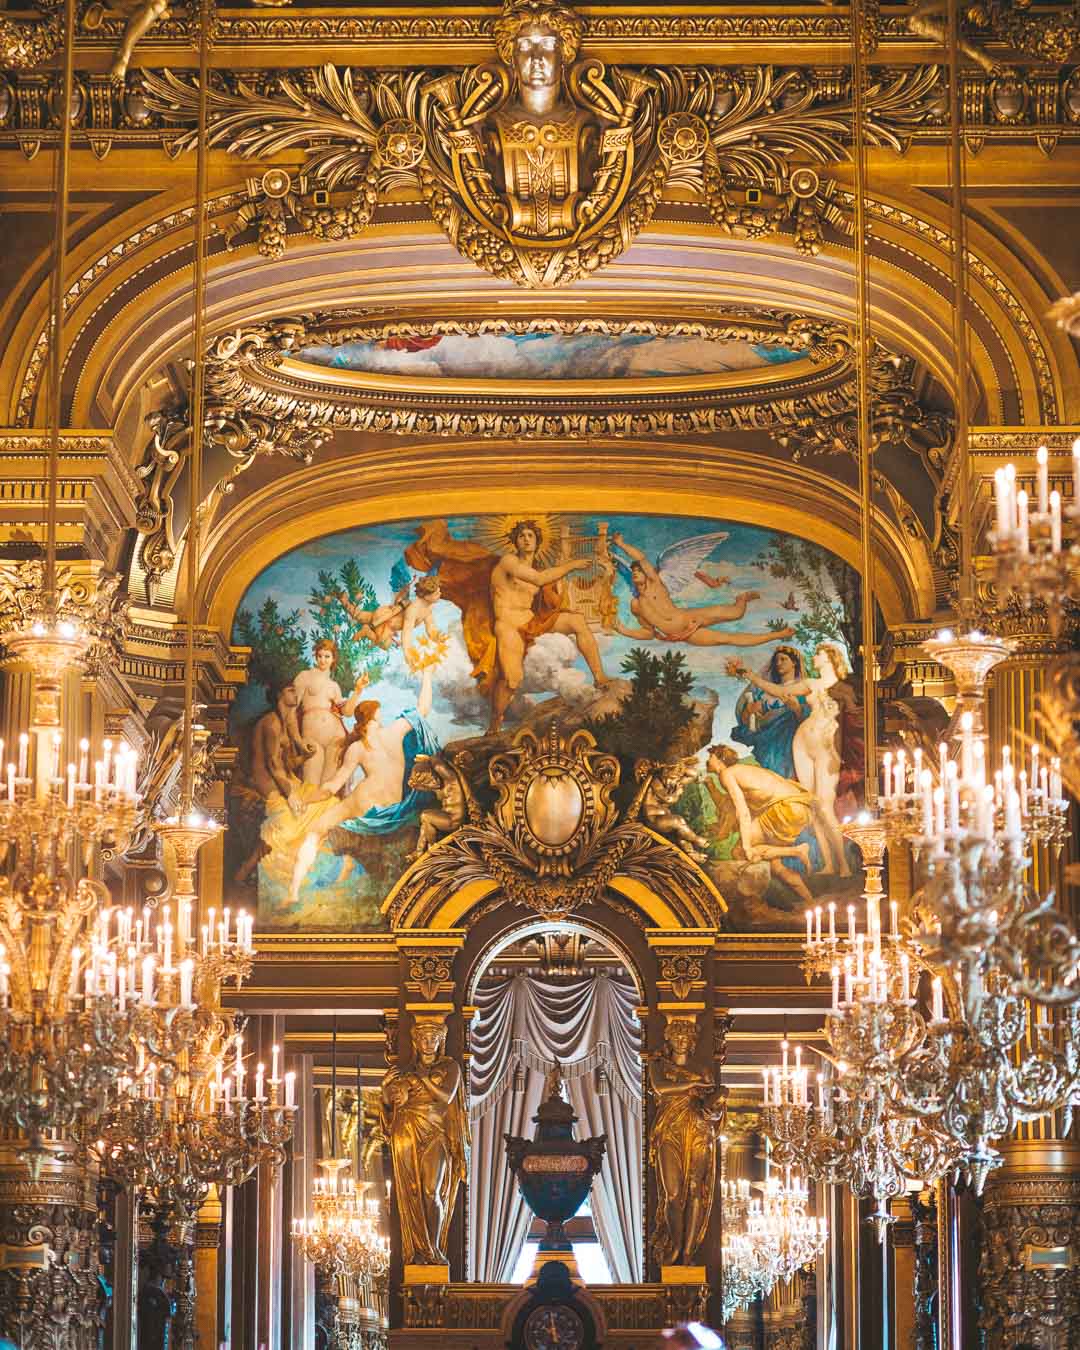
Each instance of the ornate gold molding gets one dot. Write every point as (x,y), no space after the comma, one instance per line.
(264,401)
(734,142)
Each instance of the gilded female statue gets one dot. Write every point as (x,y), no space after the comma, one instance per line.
(426,1120)
(689,1117)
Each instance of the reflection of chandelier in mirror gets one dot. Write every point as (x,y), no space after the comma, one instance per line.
(768,1237)
(342,1236)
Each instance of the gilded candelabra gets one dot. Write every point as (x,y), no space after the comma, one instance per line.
(1037,542)
(68,1034)
(185,1120)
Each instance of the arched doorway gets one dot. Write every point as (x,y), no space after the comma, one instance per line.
(563,993)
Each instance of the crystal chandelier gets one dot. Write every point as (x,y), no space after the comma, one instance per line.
(767,1237)
(342,1237)
(67,1030)
(186,1120)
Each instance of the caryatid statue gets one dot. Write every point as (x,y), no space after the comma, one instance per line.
(689,1117)
(426,1119)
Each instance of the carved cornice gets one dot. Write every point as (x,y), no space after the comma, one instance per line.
(1048,36)
(263,401)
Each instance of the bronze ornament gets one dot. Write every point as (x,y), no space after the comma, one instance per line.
(552,843)
(543,174)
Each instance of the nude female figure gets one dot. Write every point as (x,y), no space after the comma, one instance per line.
(379,751)
(814,748)
(321,708)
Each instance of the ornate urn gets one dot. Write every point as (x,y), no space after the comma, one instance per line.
(554,1170)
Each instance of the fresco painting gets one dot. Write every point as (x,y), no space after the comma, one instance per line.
(544,356)
(720,647)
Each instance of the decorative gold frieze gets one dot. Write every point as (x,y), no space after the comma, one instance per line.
(542,168)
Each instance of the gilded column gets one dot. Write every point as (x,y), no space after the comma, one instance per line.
(50,1294)
(1029,1272)
(925,1272)
(207,1249)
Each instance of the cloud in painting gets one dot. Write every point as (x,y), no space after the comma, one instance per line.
(456,688)
(551,668)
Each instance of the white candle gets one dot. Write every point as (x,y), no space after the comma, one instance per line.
(290,1088)
(275,1055)
(1022,512)
(228,1096)
(1042,463)
(809,927)
(121,980)
(1055,521)
(148,980)
(1001,505)
(84,762)
(937,999)
(260,1073)
(894,912)
(225,923)
(886,775)
(832,921)
(70,785)
(851,924)
(821,1093)
(24,753)
(817,924)
(835,987)
(187,979)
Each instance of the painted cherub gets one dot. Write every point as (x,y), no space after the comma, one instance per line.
(397,621)
(665,785)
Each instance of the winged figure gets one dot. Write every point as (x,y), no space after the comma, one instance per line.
(656,586)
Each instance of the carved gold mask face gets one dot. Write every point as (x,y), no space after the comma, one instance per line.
(537,57)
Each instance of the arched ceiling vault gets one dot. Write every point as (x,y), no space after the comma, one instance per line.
(131,312)
(449,477)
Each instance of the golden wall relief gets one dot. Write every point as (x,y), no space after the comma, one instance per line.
(396,668)
(543,166)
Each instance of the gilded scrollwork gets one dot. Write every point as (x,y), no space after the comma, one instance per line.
(553,841)
(258,405)
(543,166)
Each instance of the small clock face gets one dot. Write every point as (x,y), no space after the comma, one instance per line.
(554,1328)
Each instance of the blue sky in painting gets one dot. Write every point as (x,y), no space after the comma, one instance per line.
(553,665)
(551,356)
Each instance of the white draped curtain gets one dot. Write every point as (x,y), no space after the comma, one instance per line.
(524,1024)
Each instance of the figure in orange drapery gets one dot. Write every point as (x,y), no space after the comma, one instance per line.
(506,603)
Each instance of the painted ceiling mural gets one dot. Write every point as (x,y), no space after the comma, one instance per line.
(554,356)
(720,645)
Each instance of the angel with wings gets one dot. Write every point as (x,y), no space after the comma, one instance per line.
(660,617)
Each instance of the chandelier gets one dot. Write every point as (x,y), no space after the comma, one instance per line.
(768,1237)
(342,1236)
(68,1026)
(195,1113)
(1035,543)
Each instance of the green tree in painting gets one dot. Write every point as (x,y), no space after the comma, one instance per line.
(355,655)
(278,645)
(825,586)
(655,713)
